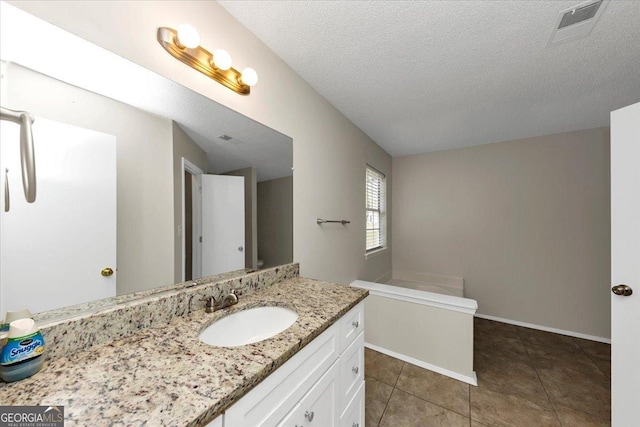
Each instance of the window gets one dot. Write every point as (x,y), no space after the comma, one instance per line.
(375,209)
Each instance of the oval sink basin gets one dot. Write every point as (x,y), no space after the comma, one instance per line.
(248,326)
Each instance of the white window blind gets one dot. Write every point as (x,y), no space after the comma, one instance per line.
(375,209)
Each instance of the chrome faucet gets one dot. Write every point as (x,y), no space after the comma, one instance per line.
(227,301)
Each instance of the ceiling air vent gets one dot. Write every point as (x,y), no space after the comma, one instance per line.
(230,140)
(576,22)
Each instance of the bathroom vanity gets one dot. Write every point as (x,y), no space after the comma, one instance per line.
(310,374)
(321,385)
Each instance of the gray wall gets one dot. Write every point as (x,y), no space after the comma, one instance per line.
(183,146)
(275,221)
(143,159)
(329,151)
(250,215)
(526,223)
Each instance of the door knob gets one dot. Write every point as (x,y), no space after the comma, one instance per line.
(106,272)
(240,248)
(622,290)
(309,415)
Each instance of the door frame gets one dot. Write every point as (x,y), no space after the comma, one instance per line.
(187,166)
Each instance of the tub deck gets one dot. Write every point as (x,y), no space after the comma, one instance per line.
(433,330)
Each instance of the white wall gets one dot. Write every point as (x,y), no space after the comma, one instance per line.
(329,151)
(526,223)
(144,170)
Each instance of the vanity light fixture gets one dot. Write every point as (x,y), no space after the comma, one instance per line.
(184,44)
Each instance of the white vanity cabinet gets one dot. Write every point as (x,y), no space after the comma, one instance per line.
(320,386)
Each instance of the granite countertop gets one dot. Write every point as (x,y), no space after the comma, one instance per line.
(166,376)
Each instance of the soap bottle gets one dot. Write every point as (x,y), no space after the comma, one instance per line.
(23,354)
(10,316)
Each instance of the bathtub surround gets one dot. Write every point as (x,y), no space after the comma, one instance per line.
(430,283)
(178,379)
(427,329)
(329,151)
(525,222)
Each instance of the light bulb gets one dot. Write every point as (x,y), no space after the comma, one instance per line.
(249,76)
(221,59)
(188,36)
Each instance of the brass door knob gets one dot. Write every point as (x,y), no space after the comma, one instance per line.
(106,272)
(622,290)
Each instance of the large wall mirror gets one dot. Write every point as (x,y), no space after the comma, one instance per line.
(141,182)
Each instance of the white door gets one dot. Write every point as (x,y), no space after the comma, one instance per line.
(625,266)
(222,224)
(52,251)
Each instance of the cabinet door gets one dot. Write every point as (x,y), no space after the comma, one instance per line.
(273,399)
(351,325)
(351,371)
(319,407)
(354,414)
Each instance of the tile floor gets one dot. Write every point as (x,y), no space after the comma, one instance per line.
(525,378)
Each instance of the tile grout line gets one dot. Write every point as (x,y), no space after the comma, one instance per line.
(593,361)
(526,349)
(391,395)
(434,403)
(429,401)
(551,401)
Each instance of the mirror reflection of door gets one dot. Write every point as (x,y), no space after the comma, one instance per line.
(188,226)
(223,224)
(68,235)
(214,223)
(191,231)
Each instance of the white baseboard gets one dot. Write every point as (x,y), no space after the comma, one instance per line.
(456,376)
(546,329)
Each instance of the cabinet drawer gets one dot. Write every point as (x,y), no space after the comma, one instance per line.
(319,407)
(271,400)
(351,324)
(354,414)
(351,371)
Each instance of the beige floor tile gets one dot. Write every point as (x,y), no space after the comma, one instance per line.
(604,365)
(381,367)
(549,357)
(439,389)
(572,418)
(499,346)
(377,396)
(594,348)
(405,410)
(498,409)
(586,393)
(548,339)
(510,376)
(489,327)
(477,424)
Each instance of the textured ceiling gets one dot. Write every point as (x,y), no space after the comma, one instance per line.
(424,76)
